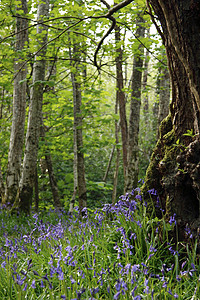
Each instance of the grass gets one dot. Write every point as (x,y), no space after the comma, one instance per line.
(112,253)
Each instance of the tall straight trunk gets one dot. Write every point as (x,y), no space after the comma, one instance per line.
(78,135)
(35,111)
(49,166)
(109,164)
(134,120)
(51,72)
(53,182)
(75,168)
(36,190)
(121,97)
(19,107)
(116,172)
(145,79)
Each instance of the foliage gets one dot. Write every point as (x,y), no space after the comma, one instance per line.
(112,253)
(98,92)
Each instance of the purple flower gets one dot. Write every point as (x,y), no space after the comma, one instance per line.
(33,284)
(42,284)
(152,192)
(118,286)
(172,220)
(116,296)
(3,264)
(94,291)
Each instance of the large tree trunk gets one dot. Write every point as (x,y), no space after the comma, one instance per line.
(35,111)
(164,94)
(19,107)
(134,121)
(175,165)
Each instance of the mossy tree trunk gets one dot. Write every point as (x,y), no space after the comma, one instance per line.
(174,170)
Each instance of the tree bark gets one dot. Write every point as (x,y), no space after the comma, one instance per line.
(36,191)
(121,98)
(175,165)
(134,120)
(144,82)
(79,164)
(19,107)
(53,182)
(109,164)
(115,179)
(35,112)
(164,94)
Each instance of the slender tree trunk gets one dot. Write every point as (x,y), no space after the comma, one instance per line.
(2,187)
(133,150)
(48,159)
(35,111)
(78,137)
(75,168)
(36,191)
(175,164)
(144,83)
(109,164)
(49,166)
(19,107)
(53,182)
(115,180)
(121,98)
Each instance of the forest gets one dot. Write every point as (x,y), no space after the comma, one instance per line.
(100,149)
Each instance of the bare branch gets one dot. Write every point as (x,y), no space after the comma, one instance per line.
(106,4)
(117,7)
(102,40)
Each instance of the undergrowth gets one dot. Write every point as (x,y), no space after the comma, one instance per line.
(115,252)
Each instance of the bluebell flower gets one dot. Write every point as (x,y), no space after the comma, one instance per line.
(116,296)
(33,284)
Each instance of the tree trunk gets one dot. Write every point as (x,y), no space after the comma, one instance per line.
(19,107)
(115,180)
(133,133)
(78,135)
(164,94)
(121,98)
(109,164)
(175,165)
(53,182)
(36,191)
(35,112)
(144,82)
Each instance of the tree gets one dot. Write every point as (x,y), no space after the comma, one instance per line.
(79,165)
(134,120)
(19,105)
(35,113)
(175,164)
(163,92)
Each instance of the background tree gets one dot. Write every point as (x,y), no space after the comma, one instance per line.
(35,112)
(134,119)
(19,104)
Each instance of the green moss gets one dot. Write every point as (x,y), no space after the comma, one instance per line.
(152,179)
(163,164)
